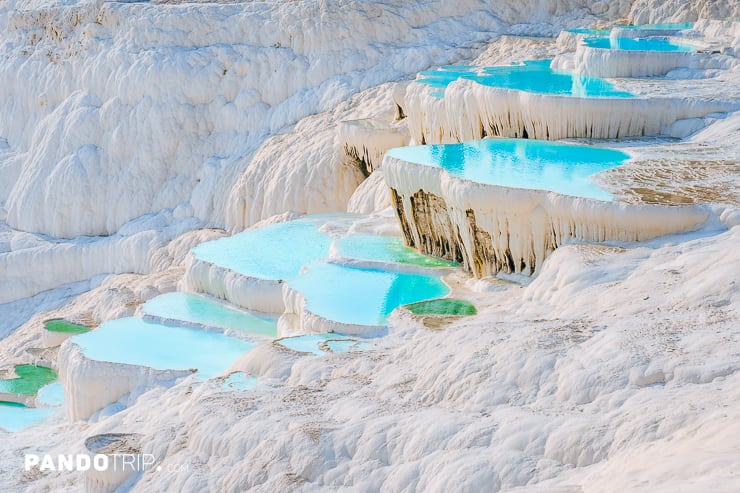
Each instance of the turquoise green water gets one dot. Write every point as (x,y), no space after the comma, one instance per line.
(15,417)
(138,342)
(277,251)
(29,380)
(61,325)
(521,163)
(312,343)
(530,76)
(638,44)
(385,249)
(204,311)
(444,306)
(362,296)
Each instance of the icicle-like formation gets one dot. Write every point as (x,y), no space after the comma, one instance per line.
(601,62)
(471,111)
(365,141)
(491,228)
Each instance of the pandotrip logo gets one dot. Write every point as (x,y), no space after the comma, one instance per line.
(98,462)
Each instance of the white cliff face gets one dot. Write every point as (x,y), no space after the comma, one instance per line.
(109,75)
(46,264)
(659,11)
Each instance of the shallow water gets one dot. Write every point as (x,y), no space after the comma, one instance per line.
(51,395)
(239,381)
(277,251)
(637,44)
(139,342)
(15,417)
(200,310)
(362,296)
(530,76)
(385,249)
(521,163)
(314,343)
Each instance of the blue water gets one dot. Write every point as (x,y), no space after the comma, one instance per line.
(139,342)
(362,296)
(239,381)
(312,343)
(637,44)
(51,395)
(385,249)
(204,311)
(530,76)
(15,417)
(521,163)
(277,251)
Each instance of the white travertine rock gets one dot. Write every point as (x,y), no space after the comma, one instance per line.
(492,228)
(371,196)
(366,141)
(298,319)
(609,63)
(470,111)
(90,385)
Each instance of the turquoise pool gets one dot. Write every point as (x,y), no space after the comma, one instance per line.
(521,163)
(385,249)
(51,395)
(239,381)
(530,76)
(136,341)
(638,44)
(277,251)
(314,343)
(362,296)
(200,310)
(15,417)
